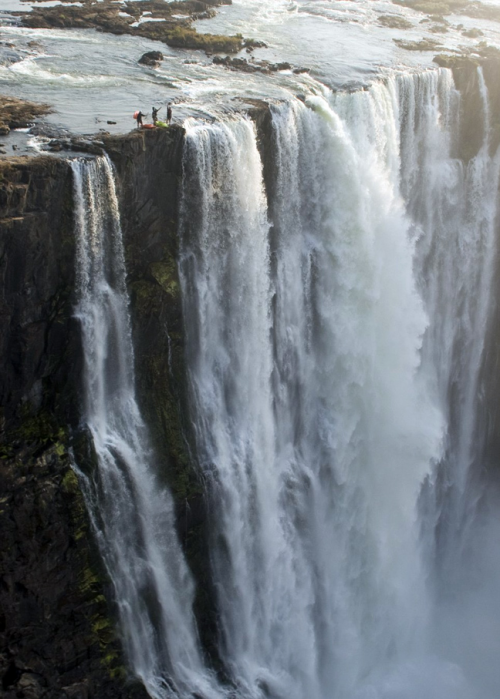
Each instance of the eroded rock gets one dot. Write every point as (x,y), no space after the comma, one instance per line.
(17,113)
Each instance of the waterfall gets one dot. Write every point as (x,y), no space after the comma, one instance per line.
(131,511)
(454,209)
(335,334)
(459,202)
(336,316)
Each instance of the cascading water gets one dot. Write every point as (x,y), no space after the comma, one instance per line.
(335,322)
(454,207)
(455,269)
(131,512)
(334,365)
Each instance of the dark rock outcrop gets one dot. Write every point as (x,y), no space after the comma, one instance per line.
(151,58)
(57,636)
(253,66)
(394,22)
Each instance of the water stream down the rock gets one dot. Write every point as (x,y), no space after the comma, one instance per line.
(132,513)
(336,308)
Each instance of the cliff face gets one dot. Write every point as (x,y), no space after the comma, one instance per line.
(467,79)
(56,635)
(37,273)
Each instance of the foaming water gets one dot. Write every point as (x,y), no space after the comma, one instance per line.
(334,365)
(131,511)
(456,272)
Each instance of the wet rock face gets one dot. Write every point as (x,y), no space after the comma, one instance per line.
(466,77)
(53,621)
(57,636)
(37,331)
(149,171)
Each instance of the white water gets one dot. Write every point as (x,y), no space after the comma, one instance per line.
(132,513)
(322,358)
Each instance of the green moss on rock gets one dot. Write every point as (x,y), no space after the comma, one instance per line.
(165,273)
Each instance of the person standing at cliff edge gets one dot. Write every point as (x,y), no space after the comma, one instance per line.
(169,114)
(138,116)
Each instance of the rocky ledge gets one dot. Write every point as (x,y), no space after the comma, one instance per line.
(16,113)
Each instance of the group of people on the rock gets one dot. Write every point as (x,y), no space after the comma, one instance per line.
(138,116)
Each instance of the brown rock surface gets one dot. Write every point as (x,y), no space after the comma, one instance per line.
(16,113)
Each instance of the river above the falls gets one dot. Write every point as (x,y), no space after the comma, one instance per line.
(93,78)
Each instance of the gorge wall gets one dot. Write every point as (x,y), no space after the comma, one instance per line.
(57,627)
(57,621)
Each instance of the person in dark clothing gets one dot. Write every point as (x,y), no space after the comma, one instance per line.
(169,114)
(154,113)
(139,119)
